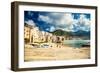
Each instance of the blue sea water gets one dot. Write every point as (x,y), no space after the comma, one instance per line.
(76,43)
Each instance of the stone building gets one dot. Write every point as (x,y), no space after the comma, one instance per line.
(32,34)
(27,32)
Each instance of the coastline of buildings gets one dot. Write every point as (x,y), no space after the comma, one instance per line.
(32,34)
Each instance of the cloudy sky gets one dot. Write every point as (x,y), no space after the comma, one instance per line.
(51,21)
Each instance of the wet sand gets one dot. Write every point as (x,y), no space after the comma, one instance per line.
(56,53)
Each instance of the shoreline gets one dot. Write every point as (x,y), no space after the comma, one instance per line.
(56,53)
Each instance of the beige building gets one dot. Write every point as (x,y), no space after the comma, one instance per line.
(27,31)
(35,35)
(32,34)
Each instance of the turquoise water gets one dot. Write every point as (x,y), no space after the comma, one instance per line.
(76,43)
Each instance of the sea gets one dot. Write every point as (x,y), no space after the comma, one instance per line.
(76,43)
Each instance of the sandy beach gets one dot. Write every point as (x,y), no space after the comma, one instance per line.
(56,53)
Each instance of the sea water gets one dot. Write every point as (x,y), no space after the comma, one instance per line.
(76,43)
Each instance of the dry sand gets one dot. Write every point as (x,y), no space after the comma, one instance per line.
(56,53)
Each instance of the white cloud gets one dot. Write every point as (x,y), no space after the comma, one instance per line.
(47,29)
(84,20)
(52,28)
(84,23)
(45,19)
(61,18)
(65,21)
(30,22)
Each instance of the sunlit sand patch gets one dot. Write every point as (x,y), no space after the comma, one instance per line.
(56,53)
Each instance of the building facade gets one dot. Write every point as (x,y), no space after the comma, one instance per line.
(27,31)
(32,34)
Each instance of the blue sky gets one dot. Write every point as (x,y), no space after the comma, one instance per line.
(51,21)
